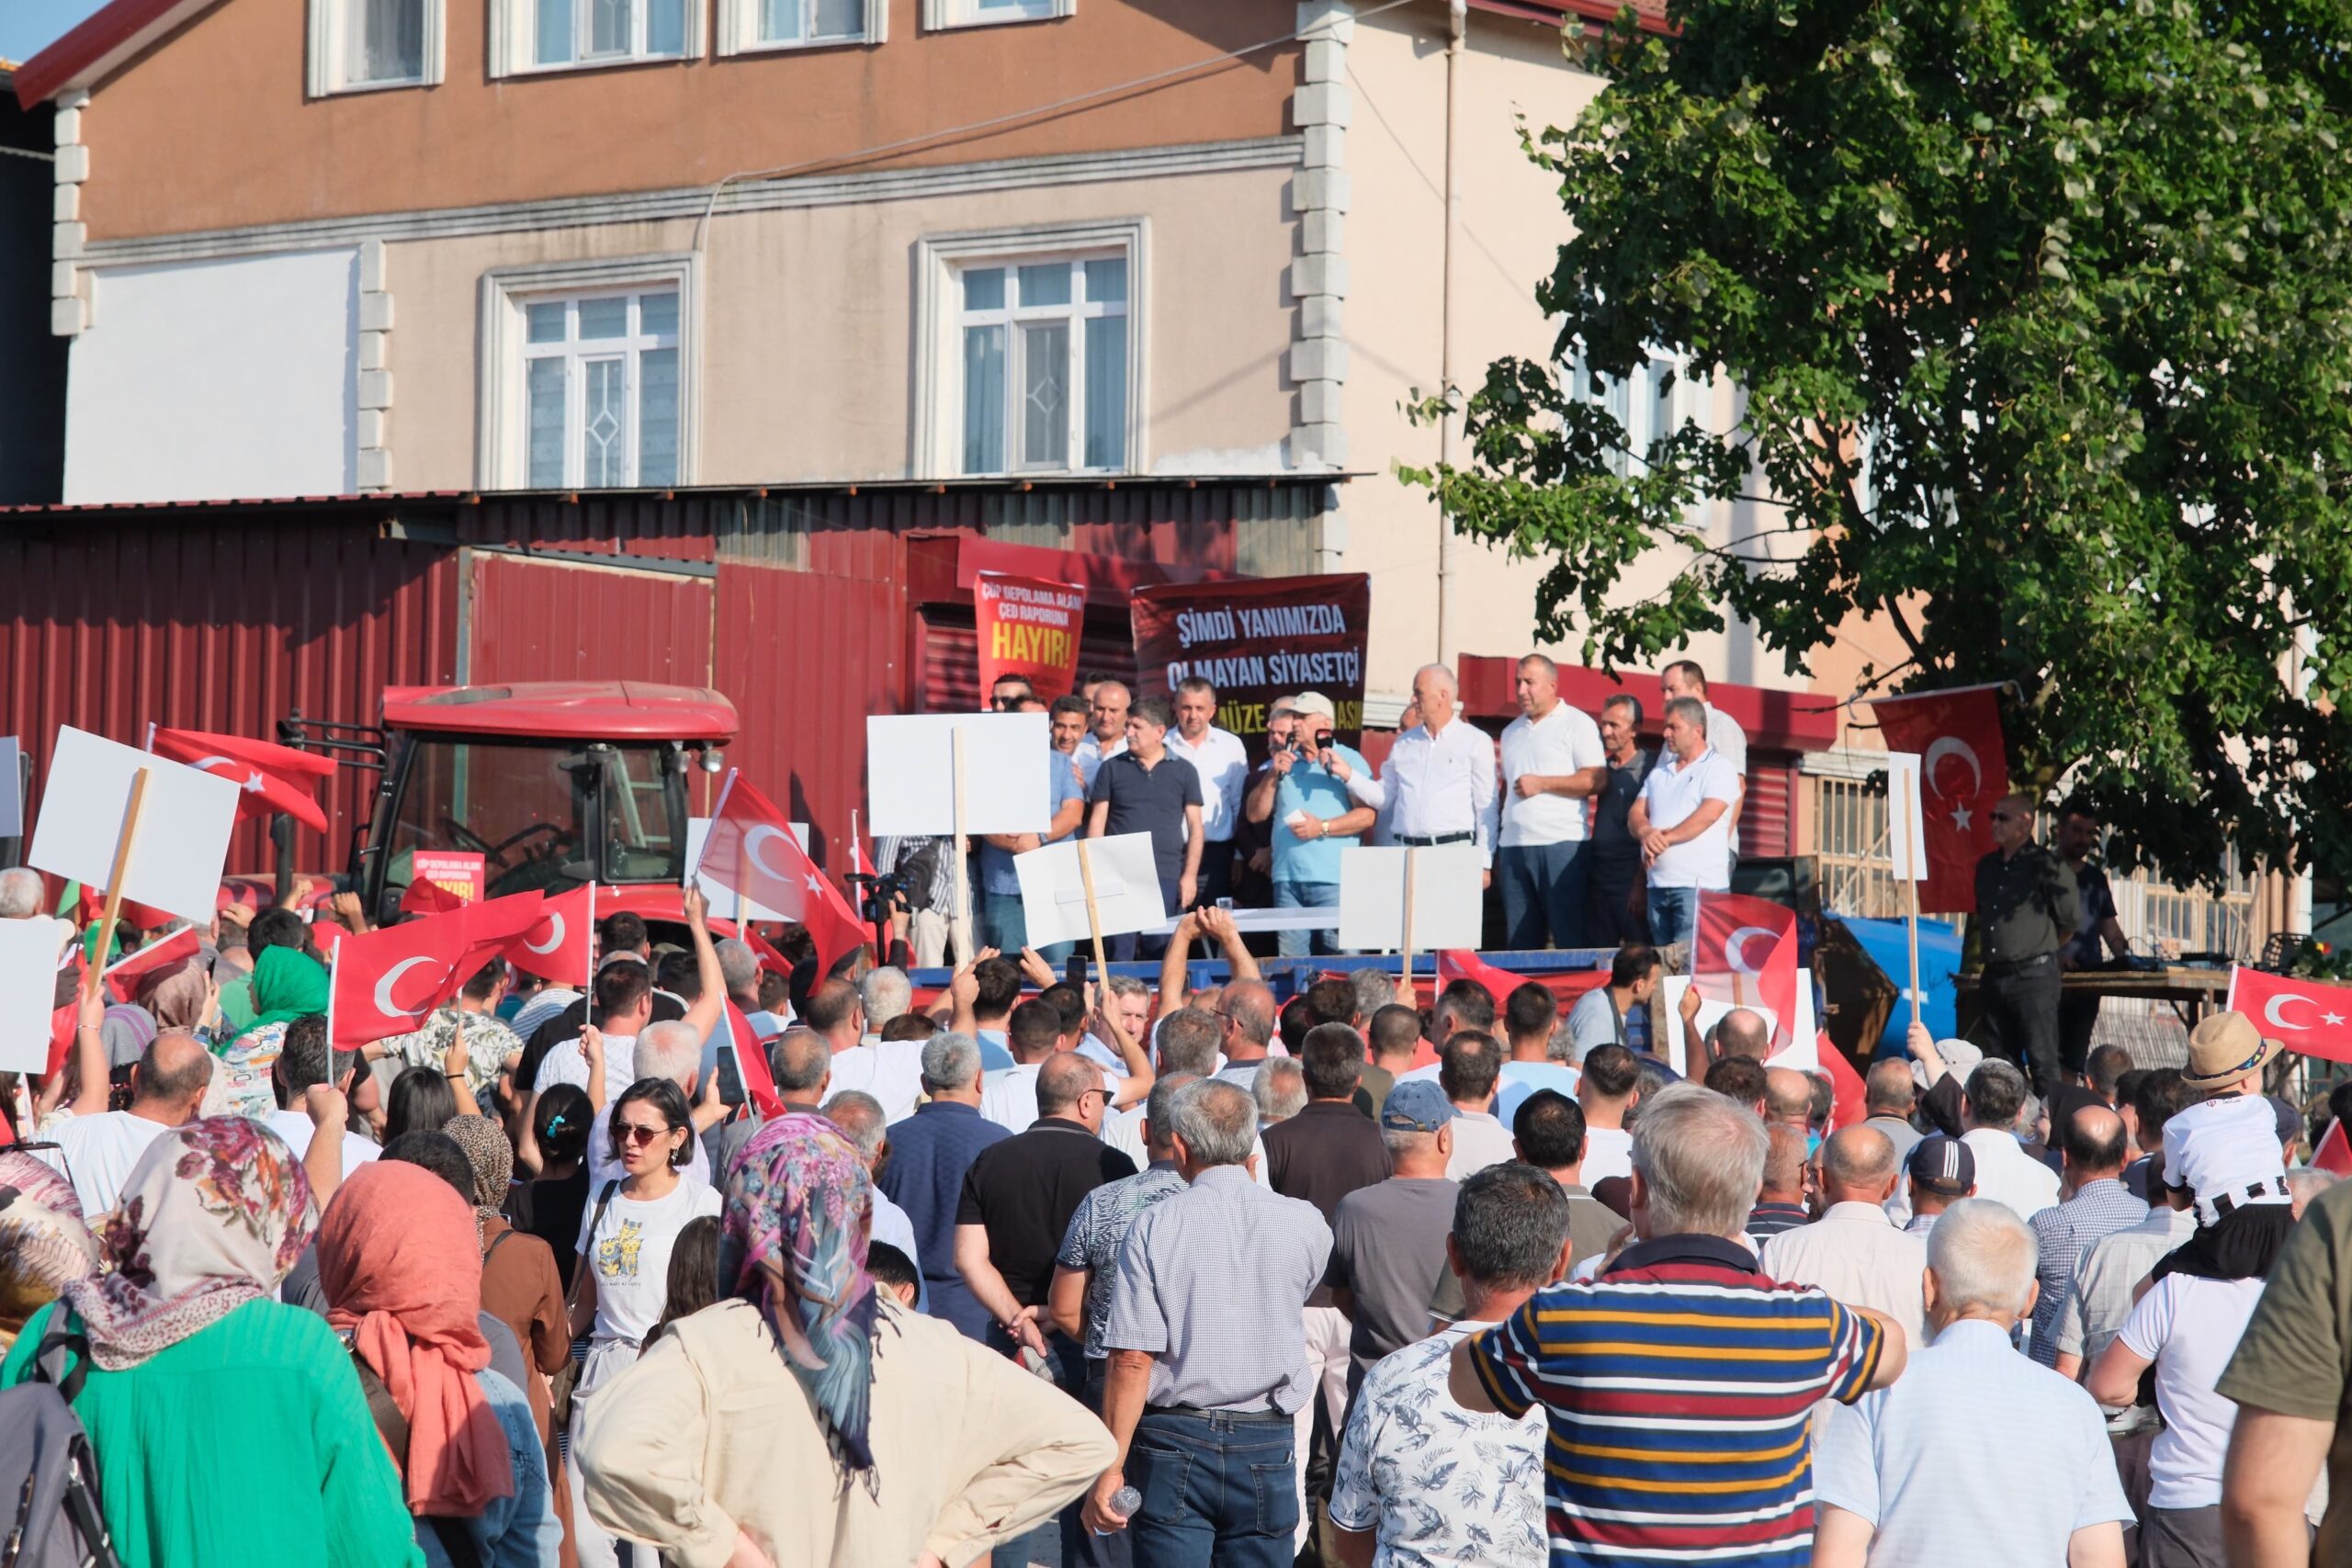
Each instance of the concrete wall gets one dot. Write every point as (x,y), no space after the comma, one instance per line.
(1511,227)
(209,380)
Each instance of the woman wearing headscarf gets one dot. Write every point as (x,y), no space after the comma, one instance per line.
(403,1285)
(43,1244)
(939,1449)
(287,984)
(178,995)
(520,1286)
(228,1427)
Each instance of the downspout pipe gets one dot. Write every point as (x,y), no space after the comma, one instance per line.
(1457,29)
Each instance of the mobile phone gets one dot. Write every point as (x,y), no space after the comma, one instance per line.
(1074,970)
(731,1078)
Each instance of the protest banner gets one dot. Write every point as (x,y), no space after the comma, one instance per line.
(1028,627)
(461,872)
(1255,639)
(1083,889)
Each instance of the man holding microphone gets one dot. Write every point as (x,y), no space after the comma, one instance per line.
(1320,796)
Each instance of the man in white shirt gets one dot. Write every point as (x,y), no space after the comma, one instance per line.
(624,993)
(1009,1096)
(1472,1062)
(1611,1086)
(1223,762)
(1684,678)
(96,1152)
(1440,776)
(1683,822)
(2005,1172)
(1106,707)
(305,1059)
(1853,1251)
(860,1118)
(889,1070)
(1552,762)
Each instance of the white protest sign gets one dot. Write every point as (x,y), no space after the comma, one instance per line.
(1448,899)
(1907,825)
(911,772)
(726,903)
(12,789)
(183,825)
(29,954)
(1126,888)
(1800,1054)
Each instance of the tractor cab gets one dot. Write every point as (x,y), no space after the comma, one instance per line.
(552,784)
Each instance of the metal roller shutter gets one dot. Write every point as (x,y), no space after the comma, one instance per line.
(951,654)
(1767,815)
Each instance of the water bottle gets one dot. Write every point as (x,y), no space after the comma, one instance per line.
(1124,1503)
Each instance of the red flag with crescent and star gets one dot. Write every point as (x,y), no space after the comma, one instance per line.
(1964,773)
(274,778)
(751,851)
(2306,1016)
(561,944)
(1746,953)
(388,982)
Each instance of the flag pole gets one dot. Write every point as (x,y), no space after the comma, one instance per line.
(694,873)
(588,984)
(963,932)
(94,977)
(1911,925)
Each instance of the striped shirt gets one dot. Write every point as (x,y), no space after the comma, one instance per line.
(1677,1390)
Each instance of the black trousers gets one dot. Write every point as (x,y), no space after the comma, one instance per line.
(2021,1009)
(2078,1019)
(1614,913)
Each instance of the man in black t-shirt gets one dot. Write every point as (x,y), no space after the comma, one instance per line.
(1146,789)
(1615,912)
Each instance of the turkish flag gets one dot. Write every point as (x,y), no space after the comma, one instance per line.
(751,851)
(561,945)
(1746,951)
(388,982)
(751,1062)
(62,1020)
(90,908)
(2334,1153)
(1460,964)
(1847,1093)
(122,976)
(274,778)
(2307,1016)
(1964,773)
(426,896)
(493,925)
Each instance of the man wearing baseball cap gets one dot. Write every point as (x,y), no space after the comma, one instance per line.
(1942,1171)
(1320,797)
(1388,1239)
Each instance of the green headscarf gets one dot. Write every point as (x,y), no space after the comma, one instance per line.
(287,984)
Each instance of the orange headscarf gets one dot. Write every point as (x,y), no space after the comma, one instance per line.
(397,1259)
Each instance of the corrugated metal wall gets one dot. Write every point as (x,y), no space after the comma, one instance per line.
(547,620)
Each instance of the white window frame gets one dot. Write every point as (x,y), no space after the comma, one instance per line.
(940,261)
(938,15)
(739,31)
(514,44)
(1644,408)
(503,459)
(329,51)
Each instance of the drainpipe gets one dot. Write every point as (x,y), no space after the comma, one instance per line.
(1457,27)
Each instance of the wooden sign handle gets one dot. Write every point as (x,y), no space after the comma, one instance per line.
(1406,937)
(1093,915)
(963,932)
(90,978)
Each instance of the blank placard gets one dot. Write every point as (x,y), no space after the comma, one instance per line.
(911,772)
(1126,888)
(12,788)
(28,954)
(1449,897)
(1907,836)
(183,825)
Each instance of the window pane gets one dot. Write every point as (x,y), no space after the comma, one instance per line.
(553,45)
(1046,285)
(984,399)
(1045,393)
(608,27)
(657,417)
(545,421)
(984,288)
(1106,390)
(657,315)
(665,27)
(1106,281)
(780,21)
(603,434)
(387,40)
(545,321)
(840,18)
(603,318)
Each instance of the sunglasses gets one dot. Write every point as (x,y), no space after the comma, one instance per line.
(631,1132)
(2008,815)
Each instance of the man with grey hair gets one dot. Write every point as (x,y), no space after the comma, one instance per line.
(2037,1484)
(860,1118)
(1440,776)
(1249,1015)
(21,891)
(931,1152)
(1207,1360)
(740,967)
(1388,1239)
(889,1070)
(1375,988)
(1280,1090)
(1682,822)
(668,1050)
(2005,1172)
(1656,1358)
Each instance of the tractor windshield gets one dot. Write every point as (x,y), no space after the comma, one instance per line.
(540,814)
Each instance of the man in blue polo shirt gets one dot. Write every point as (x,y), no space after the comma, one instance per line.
(1321,797)
(1148,789)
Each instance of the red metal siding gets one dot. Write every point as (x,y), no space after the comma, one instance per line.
(1767,815)
(228,625)
(538,620)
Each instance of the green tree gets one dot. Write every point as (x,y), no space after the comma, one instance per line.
(2042,314)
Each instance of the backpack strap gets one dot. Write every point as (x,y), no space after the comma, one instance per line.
(50,1360)
(456,1540)
(491,1250)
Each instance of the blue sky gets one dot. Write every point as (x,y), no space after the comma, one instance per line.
(26,27)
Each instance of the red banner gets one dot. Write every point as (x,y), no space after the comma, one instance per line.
(461,873)
(1255,639)
(2305,1015)
(1028,627)
(1964,773)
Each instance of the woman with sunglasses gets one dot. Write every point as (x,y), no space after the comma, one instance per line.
(625,1244)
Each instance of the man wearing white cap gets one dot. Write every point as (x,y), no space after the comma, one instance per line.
(1323,798)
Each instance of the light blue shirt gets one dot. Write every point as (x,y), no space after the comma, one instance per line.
(1311,787)
(517,1531)
(1974,1455)
(996,1052)
(1520,1080)
(997,878)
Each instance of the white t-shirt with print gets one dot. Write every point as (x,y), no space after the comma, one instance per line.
(630,1252)
(604,1168)
(567,1063)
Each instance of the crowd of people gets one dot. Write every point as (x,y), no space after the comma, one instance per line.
(1044,1273)
(1587,838)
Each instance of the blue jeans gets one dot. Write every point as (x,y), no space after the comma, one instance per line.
(1004,923)
(1673,912)
(1050,1541)
(1216,1489)
(1542,889)
(1289,895)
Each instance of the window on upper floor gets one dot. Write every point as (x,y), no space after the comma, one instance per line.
(748,26)
(362,45)
(939,14)
(1044,376)
(586,385)
(558,35)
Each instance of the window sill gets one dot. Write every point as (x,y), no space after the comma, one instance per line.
(968,23)
(352,89)
(619,63)
(797,46)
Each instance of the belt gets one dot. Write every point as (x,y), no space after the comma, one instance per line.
(2270,1190)
(1205,1413)
(1420,842)
(2014,966)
